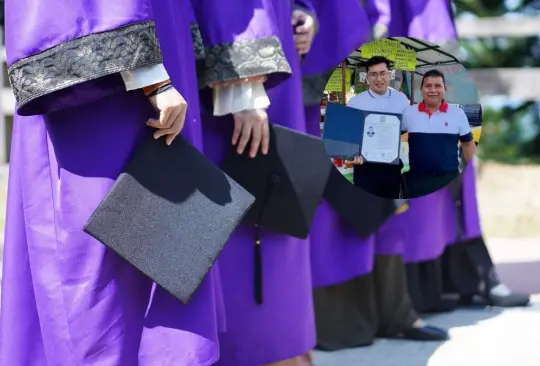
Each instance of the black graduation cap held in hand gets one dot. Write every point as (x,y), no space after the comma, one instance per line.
(364,211)
(288,184)
(170,214)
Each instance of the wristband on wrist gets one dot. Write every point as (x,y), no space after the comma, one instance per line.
(152,88)
(160,90)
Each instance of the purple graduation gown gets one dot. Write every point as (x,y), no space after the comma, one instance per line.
(471,218)
(431,21)
(338,253)
(66,299)
(282,326)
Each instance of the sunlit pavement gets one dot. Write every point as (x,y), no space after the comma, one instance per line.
(490,337)
(479,337)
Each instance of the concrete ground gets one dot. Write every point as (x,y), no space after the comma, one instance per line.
(479,337)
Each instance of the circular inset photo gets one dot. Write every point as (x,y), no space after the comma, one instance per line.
(401,118)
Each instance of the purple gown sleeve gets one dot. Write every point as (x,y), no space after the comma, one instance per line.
(378,12)
(240,40)
(343,28)
(57,61)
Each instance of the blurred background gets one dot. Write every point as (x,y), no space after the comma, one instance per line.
(500,47)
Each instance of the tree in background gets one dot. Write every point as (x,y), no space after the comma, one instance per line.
(503,136)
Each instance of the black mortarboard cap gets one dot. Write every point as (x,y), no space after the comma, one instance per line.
(364,211)
(288,184)
(170,214)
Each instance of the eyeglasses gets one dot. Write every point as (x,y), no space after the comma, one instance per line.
(376,75)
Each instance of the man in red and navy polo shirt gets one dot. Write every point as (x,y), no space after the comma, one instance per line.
(435,128)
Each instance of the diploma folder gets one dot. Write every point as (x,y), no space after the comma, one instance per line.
(344,132)
(169,214)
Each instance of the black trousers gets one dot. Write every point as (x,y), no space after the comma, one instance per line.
(353,313)
(383,180)
(465,269)
(420,184)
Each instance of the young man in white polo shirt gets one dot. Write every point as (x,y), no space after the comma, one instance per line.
(383,180)
(434,129)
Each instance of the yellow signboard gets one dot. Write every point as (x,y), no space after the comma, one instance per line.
(381,47)
(335,82)
(405,60)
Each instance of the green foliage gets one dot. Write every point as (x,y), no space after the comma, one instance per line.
(502,135)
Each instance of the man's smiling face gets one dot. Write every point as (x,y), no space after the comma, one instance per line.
(433,90)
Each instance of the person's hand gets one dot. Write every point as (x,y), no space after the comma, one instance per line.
(252,124)
(172,109)
(358,160)
(304,30)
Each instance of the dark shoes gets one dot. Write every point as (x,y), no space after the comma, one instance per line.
(515,299)
(427,333)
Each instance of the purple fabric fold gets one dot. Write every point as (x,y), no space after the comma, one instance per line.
(227,24)
(428,20)
(338,253)
(343,27)
(473,227)
(430,222)
(380,11)
(390,238)
(471,218)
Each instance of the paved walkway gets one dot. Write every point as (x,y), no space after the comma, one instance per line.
(479,337)
(483,337)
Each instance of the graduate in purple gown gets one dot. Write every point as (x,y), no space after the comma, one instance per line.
(78,72)
(248,75)
(433,21)
(458,261)
(338,252)
(342,261)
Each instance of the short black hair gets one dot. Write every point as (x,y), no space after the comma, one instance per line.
(376,60)
(433,73)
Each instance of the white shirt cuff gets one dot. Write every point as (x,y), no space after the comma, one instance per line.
(144,76)
(240,97)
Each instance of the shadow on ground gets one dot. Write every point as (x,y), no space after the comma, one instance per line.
(387,352)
